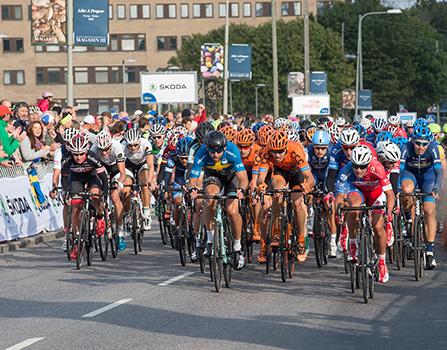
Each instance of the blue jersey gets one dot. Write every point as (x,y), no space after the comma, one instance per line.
(180,170)
(337,158)
(229,164)
(371,138)
(319,166)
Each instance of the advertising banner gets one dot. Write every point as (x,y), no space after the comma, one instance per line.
(318,83)
(406,117)
(348,98)
(48,22)
(212,61)
(375,114)
(365,99)
(167,87)
(239,62)
(91,23)
(311,105)
(295,84)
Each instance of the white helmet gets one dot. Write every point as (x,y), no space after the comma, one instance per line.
(180,130)
(157,129)
(340,121)
(103,140)
(132,136)
(361,155)
(389,151)
(293,135)
(79,143)
(393,120)
(281,122)
(349,137)
(379,124)
(366,123)
(334,131)
(69,133)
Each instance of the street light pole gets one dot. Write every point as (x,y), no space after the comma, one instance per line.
(256,97)
(70,97)
(124,62)
(359,70)
(226,71)
(275,63)
(306,49)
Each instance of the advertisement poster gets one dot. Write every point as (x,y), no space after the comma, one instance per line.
(212,61)
(167,87)
(48,22)
(311,105)
(91,22)
(239,62)
(365,99)
(318,83)
(295,84)
(375,114)
(348,98)
(406,117)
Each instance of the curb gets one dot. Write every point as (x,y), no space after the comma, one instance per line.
(30,241)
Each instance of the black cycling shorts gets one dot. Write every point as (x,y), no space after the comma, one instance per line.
(227,185)
(293,178)
(78,182)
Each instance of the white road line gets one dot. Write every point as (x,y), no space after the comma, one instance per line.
(175,279)
(106,308)
(24,344)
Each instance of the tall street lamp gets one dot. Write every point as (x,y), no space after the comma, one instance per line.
(256,95)
(124,63)
(359,71)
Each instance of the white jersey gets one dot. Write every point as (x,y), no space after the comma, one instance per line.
(140,155)
(116,153)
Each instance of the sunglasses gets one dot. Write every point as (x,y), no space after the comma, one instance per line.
(422,144)
(245,147)
(106,149)
(278,151)
(320,148)
(183,157)
(135,145)
(157,137)
(363,167)
(214,151)
(348,148)
(79,155)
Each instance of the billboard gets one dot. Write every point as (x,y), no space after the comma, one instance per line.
(167,87)
(348,99)
(48,22)
(239,62)
(311,105)
(212,61)
(406,117)
(375,114)
(365,99)
(91,23)
(295,84)
(318,83)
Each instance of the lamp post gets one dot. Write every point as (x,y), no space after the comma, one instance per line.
(359,70)
(256,95)
(124,62)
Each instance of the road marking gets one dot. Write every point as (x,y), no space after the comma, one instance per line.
(106,308)
(24,344)
(175,279)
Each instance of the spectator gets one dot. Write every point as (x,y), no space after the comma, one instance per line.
(117,130)
(152,110)
(201,116)
(216,119)
(33,145)
(170,120)
(89,126)
(137,115)
(34,113)
(50,131)
(21,115)
(10,143)
(187,123)
(45,103)
(178,119)
(6,102)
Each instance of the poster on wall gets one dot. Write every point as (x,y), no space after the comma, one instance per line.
(91,23)
(212,61)
(295,84)
(348,98)
(48,22)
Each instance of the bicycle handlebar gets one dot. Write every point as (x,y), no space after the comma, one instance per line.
(415,194)
(362,208)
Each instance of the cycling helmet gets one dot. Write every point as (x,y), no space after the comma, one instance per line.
(229,132)
(281,123)
(434,128)
(391,128)
(388,151)
(257,126)
(278,141)
(79,144)
(400,141)
(157,129)
(420,122)
(293,135)
(180,130)
(349,137)
(268,118)
(202,129)
(409,124)
(295,125)
(366,123)
(264,134)
(379,124)
(383,136)
(159,120)
(132,136)
(305,123)
(444,128)
(393,120)
(422,132)
(321,121)
(361,155)
(245,137)
(69,133)
(334,131)
(361,130)
(184,145)
(103,140)
(310,132)
(215,140)
(172,141)
(321,138)
(340,121)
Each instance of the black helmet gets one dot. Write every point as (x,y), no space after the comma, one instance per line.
(305,123)
(215,140)
(322,120)
(202,130)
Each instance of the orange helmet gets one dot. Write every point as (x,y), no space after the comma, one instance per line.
(245,137)
(264,134)
(229,132)
(278,141)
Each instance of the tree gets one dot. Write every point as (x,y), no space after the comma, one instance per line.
(325,55)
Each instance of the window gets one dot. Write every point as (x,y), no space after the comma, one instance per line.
(291,8)
(263,9)
(322,5)
(234,9)
(11,12)
(115,75)
(101,75)
(127,42)
(202,10)
(81,75)
(139,11)
(14,77)
(166,43)
(133,73)
(184,10)
(110,11)
(12,44)
(222,10)
(166,11)
(247,9)
(50,75)
(121,11)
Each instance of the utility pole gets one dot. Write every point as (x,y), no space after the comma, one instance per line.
(70,99)
(226,72)
(343,37)
(306,49)
(275,63)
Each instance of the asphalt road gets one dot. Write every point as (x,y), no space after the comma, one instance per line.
(45,303)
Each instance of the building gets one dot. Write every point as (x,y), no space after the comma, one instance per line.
(144,34)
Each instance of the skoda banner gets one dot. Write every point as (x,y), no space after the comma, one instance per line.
(91,22)
(311,105)
(239,62)
(318,83)
(167,87)
(365,99)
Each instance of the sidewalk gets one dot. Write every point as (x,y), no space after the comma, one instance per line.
(30,241)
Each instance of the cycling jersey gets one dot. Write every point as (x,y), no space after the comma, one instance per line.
(249,161)
(179,174)
(138,157)
(319,166)
(116,153)
(400,132)
(338,158)
(294,160)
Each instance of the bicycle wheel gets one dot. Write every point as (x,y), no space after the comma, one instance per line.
(318,240)
(372,269)
(90,241)
(216,258)
(69,237)
(397,245)
(364,263)
(114,236)
(83,232)
(283,249)
(267,244)
(103,240)
(228,253)
(293,250)
(352,275)
(135,229)
(181,236)
(200,250)
(160,218)
(417,246)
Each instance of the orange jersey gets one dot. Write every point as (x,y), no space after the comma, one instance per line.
(250,160)
(295,159)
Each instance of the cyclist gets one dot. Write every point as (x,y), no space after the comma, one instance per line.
(364,180)
(420,166)
(395,128)
(378,125)
(111,153)
(140,161)
(221,161)
(290,168)
(230,132)
(157,138)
